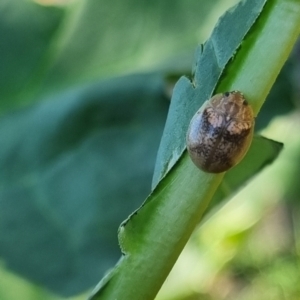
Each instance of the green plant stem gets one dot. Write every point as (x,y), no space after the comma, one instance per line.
(262,55)
(149,262)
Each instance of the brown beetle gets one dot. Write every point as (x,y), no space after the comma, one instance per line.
(220,133)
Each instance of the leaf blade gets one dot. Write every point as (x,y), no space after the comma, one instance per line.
(210,64)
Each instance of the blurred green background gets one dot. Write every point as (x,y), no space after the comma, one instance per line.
(85,88)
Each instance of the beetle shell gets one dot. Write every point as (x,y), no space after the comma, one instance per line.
(220,133)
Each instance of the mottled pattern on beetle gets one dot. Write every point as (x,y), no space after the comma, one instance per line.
(213,117)
(224,132)
(236,127)
(220,143)
(206,141)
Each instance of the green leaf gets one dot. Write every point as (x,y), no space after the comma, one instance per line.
(25,29)
(152,238)
(188,97)
(46,49)
(119,37)
(69,168)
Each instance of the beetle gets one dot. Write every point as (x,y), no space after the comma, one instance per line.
(220,133)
